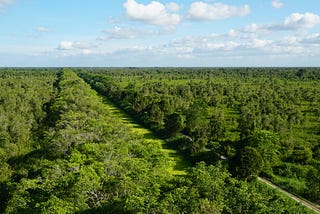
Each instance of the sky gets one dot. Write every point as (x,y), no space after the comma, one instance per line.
(165,33)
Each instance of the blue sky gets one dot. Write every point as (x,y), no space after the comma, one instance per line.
(159,33)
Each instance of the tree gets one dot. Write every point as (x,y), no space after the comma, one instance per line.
(217,126)
(268,145)
(196,120)
(174,123)
(246,122)
(247,163)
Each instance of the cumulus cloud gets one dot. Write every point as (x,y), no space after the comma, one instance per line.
(253,40)
(236,43)
(276,4)
(5,3)
(251,28)
(72,45)
(260,43)
(232,33)
(308,39)
(294,22)
(298,20)
(205,11)
(154,13)
(173,7)
(203,48)
(65,45)
(219,45)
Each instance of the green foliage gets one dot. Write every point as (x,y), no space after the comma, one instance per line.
(88,160)
(273,110)
(217,125)
(300,155)
(247,123)
(248,163)
(64,151)
(174,123)
(268,145)
(22,97)
(313,188)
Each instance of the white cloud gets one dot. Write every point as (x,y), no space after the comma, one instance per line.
(237,44)
(204,11)
(306,40)
(65,45)
(232,33)
(154,13)
(72,45)
(260,43)
(251,28)
(276,4)
(298,20)
(132,50)
(173,7)
(294,22)
(193,47)
(5,3)
(42,29)
(312,39)
(254,41)
(289,40)
(125,33)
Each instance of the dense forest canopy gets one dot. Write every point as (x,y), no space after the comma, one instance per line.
(64,151)
(225,110)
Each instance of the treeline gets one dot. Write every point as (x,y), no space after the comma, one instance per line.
(289,73)
(270,114)
(82,159)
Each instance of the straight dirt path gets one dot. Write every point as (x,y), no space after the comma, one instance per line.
(177,165)
(301,201)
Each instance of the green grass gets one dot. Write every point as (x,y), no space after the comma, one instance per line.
(177,165)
